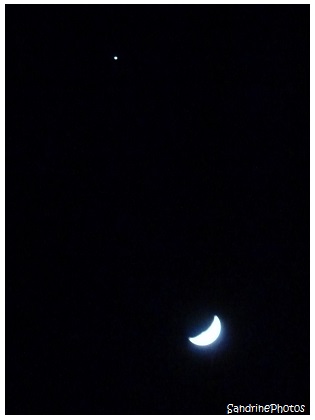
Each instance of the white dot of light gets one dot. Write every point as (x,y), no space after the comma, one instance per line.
(115,57)
(209,335)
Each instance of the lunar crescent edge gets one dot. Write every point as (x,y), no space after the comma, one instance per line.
(209,335)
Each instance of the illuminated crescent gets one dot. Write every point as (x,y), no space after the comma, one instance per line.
(209,335)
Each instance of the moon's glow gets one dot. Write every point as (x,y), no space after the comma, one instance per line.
(209,335)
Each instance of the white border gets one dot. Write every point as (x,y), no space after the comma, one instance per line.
(157,2)
(312,178)
(2,214)
(2,173)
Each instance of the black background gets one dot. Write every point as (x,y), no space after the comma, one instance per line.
(144,196)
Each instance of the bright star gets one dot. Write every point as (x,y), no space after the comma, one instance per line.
(115,57)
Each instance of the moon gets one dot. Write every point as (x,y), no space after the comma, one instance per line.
(209,335)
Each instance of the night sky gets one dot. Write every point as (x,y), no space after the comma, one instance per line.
(145,195)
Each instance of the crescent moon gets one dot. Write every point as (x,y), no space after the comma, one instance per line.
(209,335)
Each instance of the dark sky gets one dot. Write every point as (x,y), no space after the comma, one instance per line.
(148,194)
